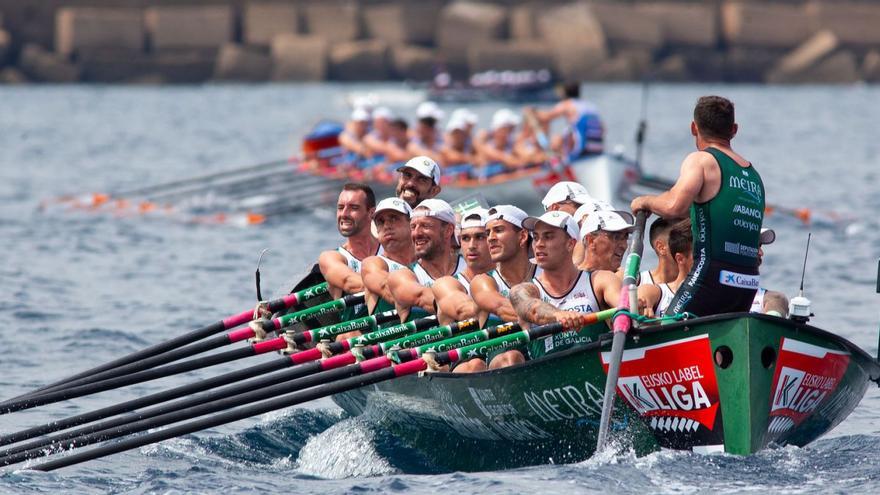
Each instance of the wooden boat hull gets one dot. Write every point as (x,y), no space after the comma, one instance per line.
(731,383)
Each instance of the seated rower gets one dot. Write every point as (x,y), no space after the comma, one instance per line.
(496,146)
(560,292)
(352,138)
(591,205)
(509,246)
(769,301)
(528,148)
(432,226)
(604,235)
(667,268)
(566,196)
(376,141)
(341,267)
(659,295)
(426,139)
(391,220)
(457,148)
(398,142)
(585,134)
(418,180)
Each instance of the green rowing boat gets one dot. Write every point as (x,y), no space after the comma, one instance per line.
(732,383)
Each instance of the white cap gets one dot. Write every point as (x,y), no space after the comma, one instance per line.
(609,221)
(474,218)
(508,213)
(360,115)
(505,117)
(466,115)
(436,208)
(394,204)
(768,236)
(428,109)
(456,124)
(559,219)
(565,190)
(366,102)
(383,113)
(425,166)
(591,206)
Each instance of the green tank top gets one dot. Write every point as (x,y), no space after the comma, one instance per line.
(727,228)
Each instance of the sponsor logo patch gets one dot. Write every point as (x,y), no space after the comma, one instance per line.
(739,280)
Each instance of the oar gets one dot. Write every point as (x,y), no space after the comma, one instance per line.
(288,301)
(622,324)
(98,432)
(367,322)
(321,385)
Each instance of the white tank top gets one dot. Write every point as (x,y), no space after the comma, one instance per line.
(645,277)
(666,295)
(579,298)
(427,280)
(393,266)
(463,280)
(503,286)
(353,262)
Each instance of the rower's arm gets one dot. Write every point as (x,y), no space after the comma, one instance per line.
(351,144)
(547,116)
(484,290)
(337,273)
(526,301)
(416,150)
(374,272)
(607,288)
(374,144)
(453,302)
(408,292)
(676,202)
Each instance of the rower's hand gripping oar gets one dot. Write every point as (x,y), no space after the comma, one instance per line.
(622,324)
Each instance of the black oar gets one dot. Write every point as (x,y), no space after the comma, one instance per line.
(290,300)
(322,385)
(622,324)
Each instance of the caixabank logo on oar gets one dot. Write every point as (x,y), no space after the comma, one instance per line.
(673,386)
(806,375)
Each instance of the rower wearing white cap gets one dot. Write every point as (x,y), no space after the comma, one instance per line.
(496,146)
(426,139)
(560,292)
(509,248)
(352,138)
(590,205)
(341,267)
(432,226)
(604,235)
(418,180)
(469,118)
(377,139)
(457,148)
(565,196)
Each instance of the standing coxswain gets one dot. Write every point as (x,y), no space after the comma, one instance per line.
(725,197)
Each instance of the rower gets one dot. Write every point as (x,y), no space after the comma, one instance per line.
(376,141)
(496,146)
(396,146)
(679,243)
(769,301)
(509,246)
(426,139)
(604,236)
(457,148)
(585,134)
(391,220)
(352,138)
(341,267)
(432,226)
(418,180)
(667,269)
(591,205)
(560,292)
(565,196)
(725,197)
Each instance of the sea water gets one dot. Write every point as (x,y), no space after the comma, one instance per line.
(78,288)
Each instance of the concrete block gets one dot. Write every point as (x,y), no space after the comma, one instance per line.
(807,55)
(703,63)
(299,58)
(749,64)
(11,75)
(169,66)
(464,24)
(403,23)
(576,40)
(685,24)
(41,65)
(171,27)
(515,55)
(238,63)
(5,46)
(838,68)
(333,20)
(616,68)
(672,69)
(640,60)
(765,25)
(264,20)
(856,24)
(627,25)
(522,24)
(79,28)
(871,67)
(414,63)
(360,61)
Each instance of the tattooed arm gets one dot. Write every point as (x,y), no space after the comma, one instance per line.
(530,308)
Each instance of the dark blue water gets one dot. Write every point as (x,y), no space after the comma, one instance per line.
(78,289)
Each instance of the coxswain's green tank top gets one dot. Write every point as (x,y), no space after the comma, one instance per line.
(727,228)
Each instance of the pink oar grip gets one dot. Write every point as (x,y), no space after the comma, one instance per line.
(305,356)
(240,334)
(410,367)
(375,364)
(239,319)
(622,323)
(338,361)
(270,345)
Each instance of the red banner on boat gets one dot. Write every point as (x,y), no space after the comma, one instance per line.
(806,375)
(673,384)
